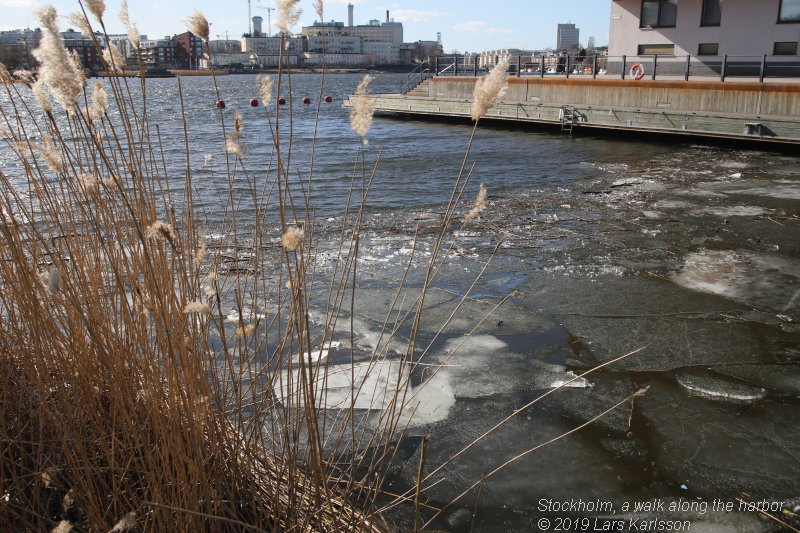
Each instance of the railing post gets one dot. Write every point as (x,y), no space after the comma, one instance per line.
(541,66)
(655,66)
(566,67)
(436,71)
(519,66)
(594,67)
(475,66)
(455,66)
(724,67)
(688,67)
(763,68)
(624,65)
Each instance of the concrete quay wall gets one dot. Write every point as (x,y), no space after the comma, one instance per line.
(745,111)
(752,99)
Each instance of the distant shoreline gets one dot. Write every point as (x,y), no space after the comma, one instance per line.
(402,69)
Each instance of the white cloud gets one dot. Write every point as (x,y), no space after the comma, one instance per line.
(17,3)
(414,15)
(477,27)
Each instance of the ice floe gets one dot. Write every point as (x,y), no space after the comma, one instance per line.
(747,277)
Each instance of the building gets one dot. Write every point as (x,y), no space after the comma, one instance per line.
(567,37)
(159,52)
(379,43)
(123,44)
(188,50)
(266,51)
(225,46)
(83,46)
(16,47)
(740,28)
(489,58)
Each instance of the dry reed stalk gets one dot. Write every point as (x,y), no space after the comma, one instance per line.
(139,365)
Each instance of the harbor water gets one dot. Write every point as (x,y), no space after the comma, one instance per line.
(686,254)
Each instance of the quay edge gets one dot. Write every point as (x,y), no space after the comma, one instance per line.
(758,113)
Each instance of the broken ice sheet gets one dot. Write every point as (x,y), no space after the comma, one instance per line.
(762,280)
(374,385)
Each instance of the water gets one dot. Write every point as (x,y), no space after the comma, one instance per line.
(687,252)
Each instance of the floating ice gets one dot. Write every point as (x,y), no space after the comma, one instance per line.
(720,389)
(374,386)
(318,353)
(733,211)
(673,204)
(748,277)
(247,316)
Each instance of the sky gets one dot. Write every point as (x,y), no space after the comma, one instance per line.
(466,25)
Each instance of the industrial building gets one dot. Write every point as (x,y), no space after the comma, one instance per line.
(376,43)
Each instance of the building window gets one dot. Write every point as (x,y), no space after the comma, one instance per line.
(785,49)
(659,13)
(712,13)
(708,49)
(656,49)
(789,11)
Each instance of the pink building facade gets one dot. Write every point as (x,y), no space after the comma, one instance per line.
(742,28)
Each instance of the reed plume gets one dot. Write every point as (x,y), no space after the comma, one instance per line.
(478,206)
(5,76)
(288,15)
(113,58)
(133,30)
(362,110)
(320,9)
(41,96)
(265,88)
(197,308)
(79,21)
(96,8)
(57,68)
(99,100)
(25,76)
(293,238)
(489,89)
(198,25)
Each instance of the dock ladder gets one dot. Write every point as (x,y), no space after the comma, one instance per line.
(569,119)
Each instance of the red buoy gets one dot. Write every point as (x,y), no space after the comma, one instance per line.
(281,101)
(328,99)
(253,103)
(306,100)
(220,104)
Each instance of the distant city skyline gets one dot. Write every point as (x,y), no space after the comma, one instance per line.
(465,26)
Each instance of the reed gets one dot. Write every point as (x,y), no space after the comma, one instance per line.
(132,397)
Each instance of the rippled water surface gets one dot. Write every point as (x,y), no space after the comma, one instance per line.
(688,253)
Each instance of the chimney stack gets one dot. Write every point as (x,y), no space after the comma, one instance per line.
(387,15)
(350,15)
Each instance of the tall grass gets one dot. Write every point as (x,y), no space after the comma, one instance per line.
(131,396)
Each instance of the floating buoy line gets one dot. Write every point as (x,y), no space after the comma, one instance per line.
(254,102)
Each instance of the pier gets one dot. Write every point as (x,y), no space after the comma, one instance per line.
(764,113)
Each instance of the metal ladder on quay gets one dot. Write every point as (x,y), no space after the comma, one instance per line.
(569,119)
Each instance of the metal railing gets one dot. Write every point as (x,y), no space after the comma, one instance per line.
(651,67)
(420,73)
(717,68)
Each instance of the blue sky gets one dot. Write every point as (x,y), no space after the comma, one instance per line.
(465,25)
